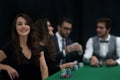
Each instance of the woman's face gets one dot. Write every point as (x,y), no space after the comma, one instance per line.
(50,28)
(22,27)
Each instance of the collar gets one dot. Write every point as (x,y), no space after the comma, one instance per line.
(59,36)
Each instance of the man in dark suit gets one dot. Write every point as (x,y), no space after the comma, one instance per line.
(67,51)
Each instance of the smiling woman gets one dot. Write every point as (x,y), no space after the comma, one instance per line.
(22,55)
(22,27)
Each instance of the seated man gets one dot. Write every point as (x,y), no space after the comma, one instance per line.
(103,48)
(67,51)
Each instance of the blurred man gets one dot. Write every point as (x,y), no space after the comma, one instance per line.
(103,48)
(66,49)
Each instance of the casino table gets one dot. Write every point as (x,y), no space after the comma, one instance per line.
(91,73)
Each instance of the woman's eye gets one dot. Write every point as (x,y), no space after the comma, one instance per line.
(19,24)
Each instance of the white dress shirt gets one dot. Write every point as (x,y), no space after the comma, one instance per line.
(59,38)
(103,49)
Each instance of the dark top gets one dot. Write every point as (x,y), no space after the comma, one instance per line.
(52,66)
(27,71)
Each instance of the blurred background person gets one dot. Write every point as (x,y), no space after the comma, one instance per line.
(45,28)
(103,48)
(66,49)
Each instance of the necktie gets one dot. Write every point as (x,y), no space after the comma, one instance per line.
(63,48)
(63,44)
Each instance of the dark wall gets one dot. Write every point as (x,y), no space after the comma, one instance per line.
(7,12)
(95,9)
(84,14)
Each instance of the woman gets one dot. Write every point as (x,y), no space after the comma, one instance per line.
(22,58)
(45,28)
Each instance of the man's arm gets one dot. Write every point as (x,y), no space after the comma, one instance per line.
(118,49)
(89,51)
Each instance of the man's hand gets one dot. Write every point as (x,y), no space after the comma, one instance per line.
(77,47)
(74,47)
(94,61)
(110,62)
(68,49)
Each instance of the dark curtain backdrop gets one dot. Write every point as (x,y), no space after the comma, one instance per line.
(84,14)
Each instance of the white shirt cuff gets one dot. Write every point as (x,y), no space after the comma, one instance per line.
(64,54)
(118,61)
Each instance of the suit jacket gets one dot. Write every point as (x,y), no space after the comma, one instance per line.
(59,54)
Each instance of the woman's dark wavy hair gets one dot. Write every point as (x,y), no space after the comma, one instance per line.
(41,27)
(32,40)
(46,38)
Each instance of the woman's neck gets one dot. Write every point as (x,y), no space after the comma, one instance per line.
(23,41)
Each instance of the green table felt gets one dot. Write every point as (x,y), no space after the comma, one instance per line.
(91,73)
